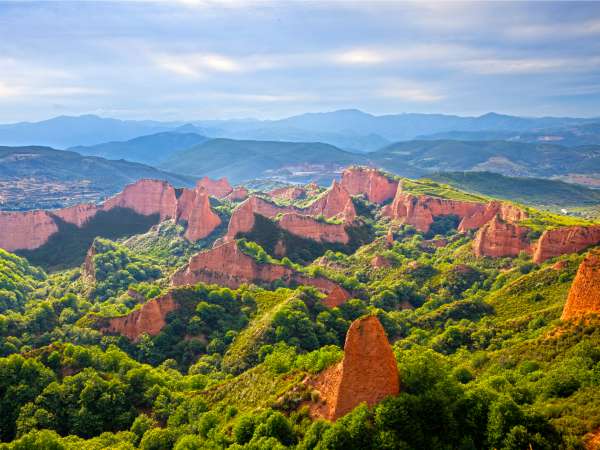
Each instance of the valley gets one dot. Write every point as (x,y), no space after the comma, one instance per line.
(317,309)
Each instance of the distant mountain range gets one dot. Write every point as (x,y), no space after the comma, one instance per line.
(351,130)
(41,177)
(152,149)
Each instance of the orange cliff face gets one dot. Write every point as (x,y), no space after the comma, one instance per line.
(371,182)
(150,318)
(584,295)
(335,202)
(368,373)
(288,193)
(32,229)
(228,265)
(310,228)
(505,211)
(194,208)
(146,197)
(498,238)
(239,193)
(217,188)
(560,241)
(25,230)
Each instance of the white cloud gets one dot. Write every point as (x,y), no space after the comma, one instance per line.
(555,30)
(197,65)
(8,91)
(522,66)
(361,56)
(409,92)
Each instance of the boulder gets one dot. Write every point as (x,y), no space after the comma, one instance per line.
(584,295)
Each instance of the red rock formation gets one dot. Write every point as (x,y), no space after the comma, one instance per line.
(379,262)
(79,214)
(336,201)
(288,193)
(146,197)
(194,208)
(228,265)
(498,238)
(239,193)
(89,267)
(217,188)
(375,185)
(150,318)
(584,295)
(481,216)
(336,297)
(310,228)
(368,372)
(25,230)
(420,211)
(560,241)
(242,219)
(31,229)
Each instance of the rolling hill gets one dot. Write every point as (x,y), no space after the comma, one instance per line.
(508,158)
(150,149)
(239,160)
(42,177)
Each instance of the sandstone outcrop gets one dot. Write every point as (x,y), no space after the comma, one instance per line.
(31,229)
(288,193)
(560,241)
(379,262)
(239,193)
(499,238)
(584,295)
(146,197)
(25,230)
(227,265)
(368,373)
(371,182)
(420,211)
(150,318)
(335,202)
(217,188)
(310,228)
(194,209)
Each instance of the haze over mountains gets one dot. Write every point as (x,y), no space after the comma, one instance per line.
(348,129)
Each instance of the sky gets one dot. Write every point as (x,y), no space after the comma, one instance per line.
(187,60)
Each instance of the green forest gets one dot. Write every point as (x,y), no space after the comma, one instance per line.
(484,359)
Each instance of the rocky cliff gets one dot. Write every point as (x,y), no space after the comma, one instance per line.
(228,265)
(150,318)
(217,188)
(368,373)
(584,295)
(316,230)
(499,238)
(239,193)
(371,182)
(31,229)
(335,202)
(25,230)
(560,241)
(194,209)
(288,193)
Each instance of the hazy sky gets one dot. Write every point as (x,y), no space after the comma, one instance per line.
(196,59)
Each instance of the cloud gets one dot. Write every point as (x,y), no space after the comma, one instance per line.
(524,66)
(8,91)
(557,30)
(197,65)
(409,92)
(360,56)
